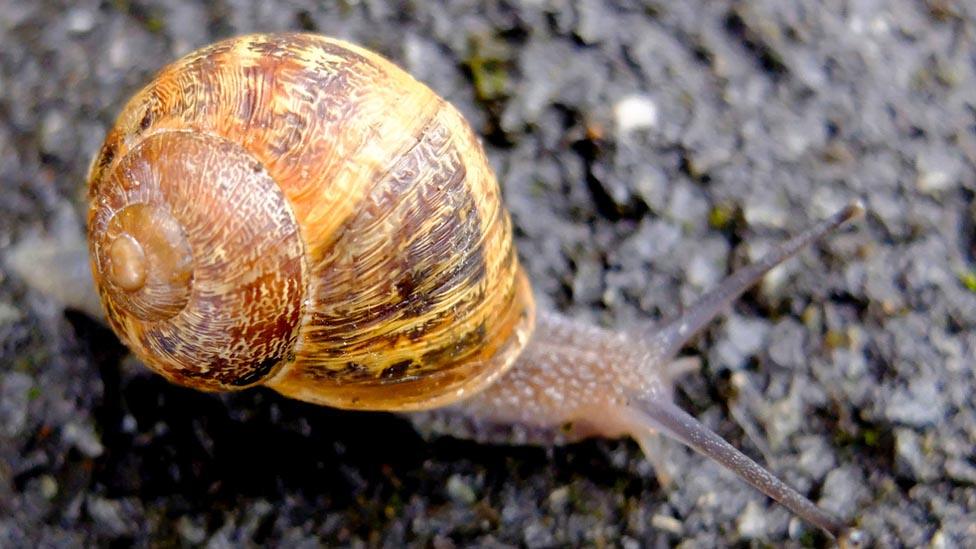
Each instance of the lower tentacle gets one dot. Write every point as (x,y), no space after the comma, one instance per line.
(662,416)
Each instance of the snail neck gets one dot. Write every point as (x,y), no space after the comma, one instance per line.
(568,370)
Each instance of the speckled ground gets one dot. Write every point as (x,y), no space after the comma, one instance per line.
(643,149)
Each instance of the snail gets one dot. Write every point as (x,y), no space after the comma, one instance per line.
(296,212)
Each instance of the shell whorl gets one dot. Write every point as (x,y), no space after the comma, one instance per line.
(411,293)
(169,210)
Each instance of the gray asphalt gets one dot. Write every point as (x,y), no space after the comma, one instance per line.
(643,149)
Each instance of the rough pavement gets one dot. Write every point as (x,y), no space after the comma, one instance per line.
(643,149)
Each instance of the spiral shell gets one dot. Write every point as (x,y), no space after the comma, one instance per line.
(295,211)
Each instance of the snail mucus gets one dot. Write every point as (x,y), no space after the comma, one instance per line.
(294,211)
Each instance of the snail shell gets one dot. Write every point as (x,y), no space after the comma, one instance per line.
(295,211)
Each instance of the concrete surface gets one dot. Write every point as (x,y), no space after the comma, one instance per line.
(643,149)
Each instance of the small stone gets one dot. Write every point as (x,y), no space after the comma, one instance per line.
(852,363)
(785,415)
(687,204)
(558,498)
(635,112)
(14,397)
(752,521)
(908,455)
(744,338)
(826,202)
(702,273)
(961,470)
(652,186)
(921,404)
(536,534)
(56,264)
(796,140)
(816,456)
(764,212)
(119,52)
(8,314)
(596,23)
(54,132)
(747,334)
(880,284)
(703,159)
(80,20)
(221,539)
(109,516)
(49,486)
(889,209)
(253,517)
(843,491)
(628,542)
(588,280)
(617,188)
(786,344)
(83,438)
(937,171)
(773,283)
(191,532)
(460,491)
(708,264)
(652,241)
(667,523)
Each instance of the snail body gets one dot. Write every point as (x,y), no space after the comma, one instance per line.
(294,211)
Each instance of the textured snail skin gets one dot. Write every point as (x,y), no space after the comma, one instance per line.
(295,211)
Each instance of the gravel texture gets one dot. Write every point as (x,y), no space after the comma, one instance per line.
(644,149)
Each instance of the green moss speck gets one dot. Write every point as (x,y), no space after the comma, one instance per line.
(721,216)
(968,280)
(836,339)
(488,62)
(154,24)
(871,437)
